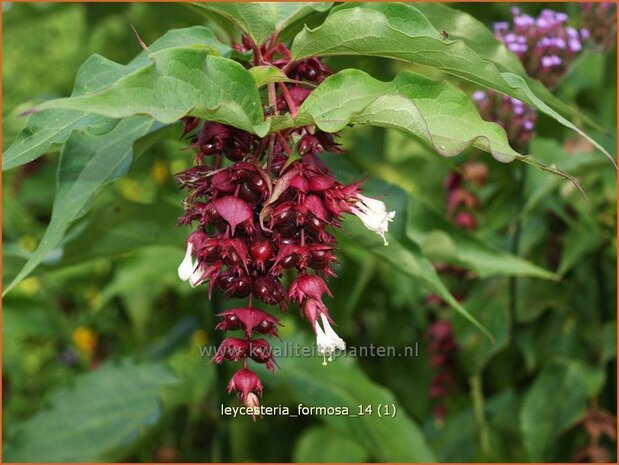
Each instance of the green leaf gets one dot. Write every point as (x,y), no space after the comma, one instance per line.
(441,240)
(261,19)
(289,13)
(322,444)
(87,163)
(105,411)
(258,19)
(178,82)
(342,383)
(50,127)
(43,130)
(402,32)
(555,401)
(267,74)
(436,112)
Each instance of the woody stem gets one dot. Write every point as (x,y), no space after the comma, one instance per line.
(288,98)
(282,140)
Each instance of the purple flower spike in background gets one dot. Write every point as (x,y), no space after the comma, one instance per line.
(517,119)
(545,45)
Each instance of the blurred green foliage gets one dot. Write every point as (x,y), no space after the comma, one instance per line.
(100,343)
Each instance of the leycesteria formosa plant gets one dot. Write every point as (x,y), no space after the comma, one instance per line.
(267,213)
(260,110)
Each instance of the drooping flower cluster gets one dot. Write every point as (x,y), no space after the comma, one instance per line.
(260,215)
(545,45)
(442,346)
(461,201)
(600,20)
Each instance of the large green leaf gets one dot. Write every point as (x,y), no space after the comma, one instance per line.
(87,163)
(342,383)
(258,19)
(436,112)
(105,411)
(289,13)
(555,401)
(402,32)
(43,130)
(443,241)
(261,19)
(179,81)
(49,127)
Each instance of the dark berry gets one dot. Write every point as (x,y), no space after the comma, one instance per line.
(261,251)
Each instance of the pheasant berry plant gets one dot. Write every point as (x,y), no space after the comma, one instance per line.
(267,213)
(263,204)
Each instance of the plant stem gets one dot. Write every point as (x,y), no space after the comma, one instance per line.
(272,96)
(288,67)
(477,397)
(282,140)
(258,60)
(217,162)
(271,154)
(288,98)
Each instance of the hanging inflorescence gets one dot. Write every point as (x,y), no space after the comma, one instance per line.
(264,214)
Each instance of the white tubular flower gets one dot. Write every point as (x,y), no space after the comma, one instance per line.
(374,215)
(196,277)
(327,339)
(187,266)
(252,401)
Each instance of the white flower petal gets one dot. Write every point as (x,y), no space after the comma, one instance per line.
(187,267)
(374,215)
(323,343)
(338,342)
(373,205)
(196,277)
